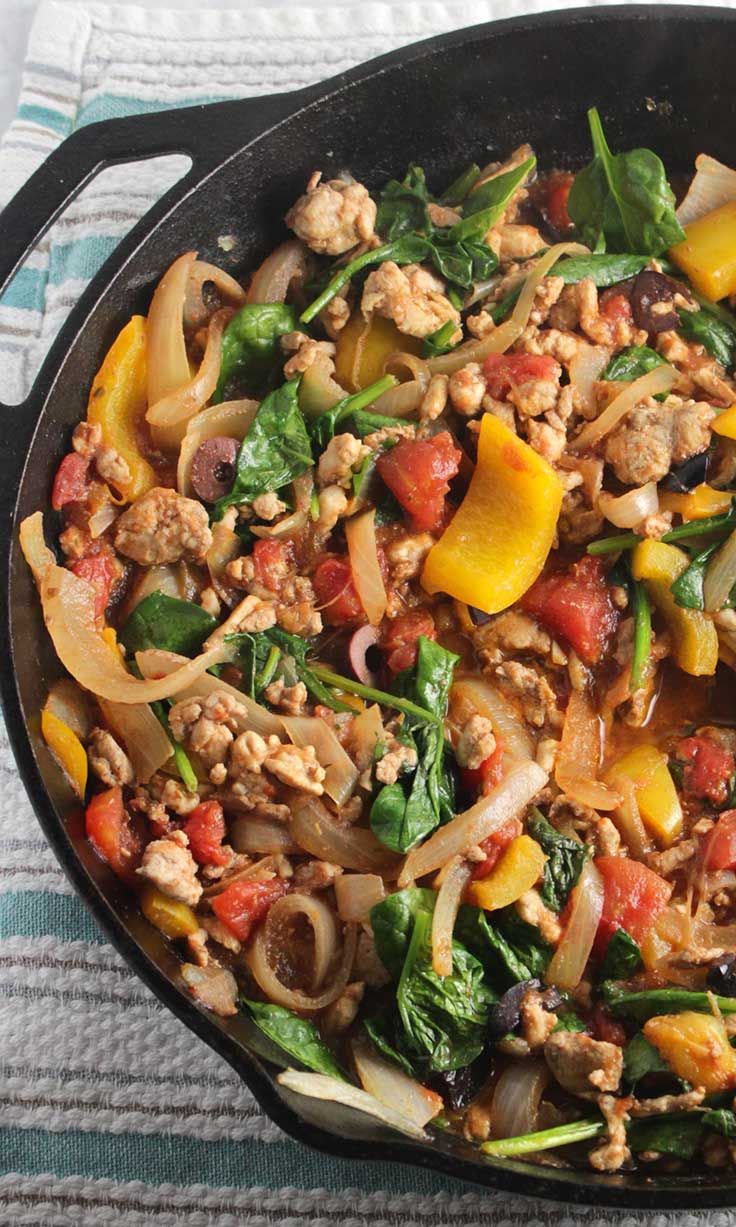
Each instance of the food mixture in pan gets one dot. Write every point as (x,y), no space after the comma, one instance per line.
(394,585)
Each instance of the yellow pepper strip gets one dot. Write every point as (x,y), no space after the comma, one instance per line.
(67,749)
(656,795)
(117,402)
(694,637)
(519,867)
(699,503)
(696,1047)
(500,536)
(174,919)
(725,424)
(708,252)
(363,347)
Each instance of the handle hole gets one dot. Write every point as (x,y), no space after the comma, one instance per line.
(53,276)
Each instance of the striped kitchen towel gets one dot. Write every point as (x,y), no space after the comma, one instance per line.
(110,1110)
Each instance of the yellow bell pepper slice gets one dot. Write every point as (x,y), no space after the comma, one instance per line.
(117,402)
(708,252)
(694,637)
(725,423)
(519,867)
(172,918)
(696,1047)
(363,346)
(500,536)
(699,503)
(67,749)
(656,795)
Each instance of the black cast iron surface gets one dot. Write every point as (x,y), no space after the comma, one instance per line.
(661,76)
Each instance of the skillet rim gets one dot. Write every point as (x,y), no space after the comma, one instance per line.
(518,1178)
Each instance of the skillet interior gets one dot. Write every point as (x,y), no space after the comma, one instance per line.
(662,77)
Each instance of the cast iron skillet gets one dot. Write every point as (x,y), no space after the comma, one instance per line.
(661,76)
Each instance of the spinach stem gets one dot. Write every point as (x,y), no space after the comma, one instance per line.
(545,1139)
(377,696)
(683,532)
(266,674)
(341,278)
(183,765)
(642,634)
(460,187)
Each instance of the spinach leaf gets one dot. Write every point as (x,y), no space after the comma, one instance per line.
(642,648)
(441,341)
(633,362)
(406,249)
(275,450)
(484,206)
(718,337)
(406,811)
(443,1018)
(720,1120)
(650,1002)
(402,207)
(622,958)
(623,202)
(677,1134)
(382,1030)
(510,952)
(254,652)
(251,354)
(297,1036)
(361,423)
(457,191)
(565,860)
(524,939)
(161,621)
(688,587)
(324,427)
(722,524)
(641,1059)
(603,269)
(392,922)
(569,1022)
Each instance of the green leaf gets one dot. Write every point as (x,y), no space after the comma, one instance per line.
(622,958)
(406,249)
(382,1028)
(441,341)
(402,207)
(675,1134)
(161,621)
(632,363)
(623,202)
(641,1059)
(361,423)
(569,1022)
(297,1036)
(254,652)
(251,353)
(392,922)
(720,1120)
(688,587)
(565,860)
(324,427)
(604,270)
(650,1002)
(486,203)
(545,1139)
(457,191)
(275,450)
(525,940)
(712,332)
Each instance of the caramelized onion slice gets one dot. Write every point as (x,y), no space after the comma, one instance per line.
(313,827)
(231,418)
(356,894)
(168,416)
(341,774)
(167,365)
(264,966)
(516,1098)
(579,756)
(155,662)
(271,280)
(145,741)
(259,836)
(449,897)
(629,509)
(659,380)
(569,959)
(196,312)
(360,533)
(322,1086)
(392,1087)
(489,702)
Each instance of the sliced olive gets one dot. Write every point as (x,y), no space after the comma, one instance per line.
(649,289)
(505,1014)
(213,468)
(721,978)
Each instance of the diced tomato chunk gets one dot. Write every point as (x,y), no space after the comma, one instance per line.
(478,781)
(615,307)
(720,848)
(555,206)
(577,605)
(336,593)
(606,1028)
(98,569)
(272,561)
(503,372)
(245,904)
(112,832)
(709,768)
(205,830)
(71,482)
(418,473)
(400,640)
(633,897)
(494,845)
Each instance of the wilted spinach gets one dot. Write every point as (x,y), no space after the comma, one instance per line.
(603,269)
(622,958)
(623,202)
(565,860)
(323,427)
(677,1134)
(255,651)
(441,341)
(688,587)
(641,1059)
(716,334)
(457,191)
(161,621)
(720,1120)
(649,1002)
(251,354)
(632,363)
(297,1036)
(485,204)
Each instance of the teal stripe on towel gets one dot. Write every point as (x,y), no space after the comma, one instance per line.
(35,913)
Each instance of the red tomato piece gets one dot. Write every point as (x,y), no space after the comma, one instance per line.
(336,593)
(633,898)
(577,605)
(71,481)
(112,834)
(555,207)
(720,848)
(615,307)
(418,474)
(272,561)
(502,372)
(205,830)
(606,1028)
(98,569)
(494,845)
(401,636)
(245,904)
(479,781)
(708,768)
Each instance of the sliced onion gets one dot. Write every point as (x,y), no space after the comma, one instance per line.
(341,774)
(321,919)
(145,741)
(489,702)
(627,820)
(720,576)
(586,368)
(265,967)
(318,391)
(401,401)
(366,731)
(259,836)
(102,518)
(196,314)
(449,897)
(360,533)
(628,510)
(151,579)
(273,277)
(569,959)
(35,550)
(215,987)
(333,1090)
(579,756)
(712,185)
(155,662)
(71,705)
(392,1087)
(659,380)
(313,827)
(168,417)
(232,418)
(516,1098)
(356,894)
(167,365)
(507,800)
(302,487)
